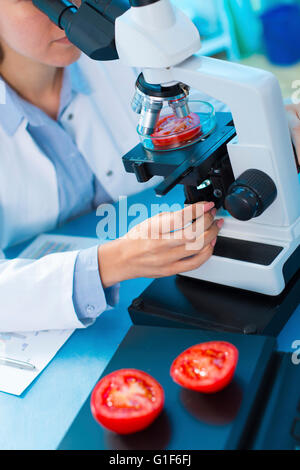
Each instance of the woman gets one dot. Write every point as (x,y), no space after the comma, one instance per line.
(63,128)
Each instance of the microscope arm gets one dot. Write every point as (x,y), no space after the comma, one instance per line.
(253,96)
(263,140)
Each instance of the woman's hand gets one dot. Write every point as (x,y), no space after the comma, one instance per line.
(167,244)
(293,114)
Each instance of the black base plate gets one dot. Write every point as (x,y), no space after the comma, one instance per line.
(183,302)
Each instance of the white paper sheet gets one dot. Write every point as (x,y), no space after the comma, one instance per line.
(45,244)
(37,348)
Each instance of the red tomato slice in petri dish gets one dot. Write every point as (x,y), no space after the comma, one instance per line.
(127,401)
(172,131)
(206,367)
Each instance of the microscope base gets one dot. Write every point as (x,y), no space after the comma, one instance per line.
(250,265)
(181,302)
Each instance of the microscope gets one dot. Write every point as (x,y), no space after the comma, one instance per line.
(242,160)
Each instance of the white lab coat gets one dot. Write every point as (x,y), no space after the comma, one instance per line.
(37,295)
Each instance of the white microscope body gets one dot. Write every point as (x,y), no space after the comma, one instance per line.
(161,41)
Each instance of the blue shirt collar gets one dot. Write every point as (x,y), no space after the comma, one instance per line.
(16,109)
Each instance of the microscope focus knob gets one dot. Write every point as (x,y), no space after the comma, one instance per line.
(250,195)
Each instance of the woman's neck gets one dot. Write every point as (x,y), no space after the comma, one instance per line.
(37,83)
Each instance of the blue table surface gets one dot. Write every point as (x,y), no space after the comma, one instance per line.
(42,415)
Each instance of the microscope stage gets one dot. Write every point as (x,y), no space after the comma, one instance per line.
(200,157)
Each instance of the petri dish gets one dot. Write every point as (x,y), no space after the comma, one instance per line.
(176,133)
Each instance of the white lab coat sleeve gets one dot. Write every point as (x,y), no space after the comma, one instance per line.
(38,295)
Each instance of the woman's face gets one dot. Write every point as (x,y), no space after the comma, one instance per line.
(27,31)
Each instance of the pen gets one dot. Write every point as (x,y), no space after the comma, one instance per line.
(6,361)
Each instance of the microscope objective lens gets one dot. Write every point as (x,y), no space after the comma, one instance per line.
(175,124)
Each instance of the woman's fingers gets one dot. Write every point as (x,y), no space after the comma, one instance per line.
(174,221)
(196,230)
(146,255)
(207,238)
(176,225)
(191,249)
(190,264)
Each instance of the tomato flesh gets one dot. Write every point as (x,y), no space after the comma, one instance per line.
(127,401)
(206,367)
(172,131)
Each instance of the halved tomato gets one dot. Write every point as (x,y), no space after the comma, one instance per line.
(127,401)
(172,131)
(206,367)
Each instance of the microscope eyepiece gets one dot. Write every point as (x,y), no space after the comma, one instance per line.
(55,9)
(90,27)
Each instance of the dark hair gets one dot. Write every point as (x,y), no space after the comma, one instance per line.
(1,54)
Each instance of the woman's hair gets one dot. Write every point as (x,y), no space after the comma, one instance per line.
(1,54)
